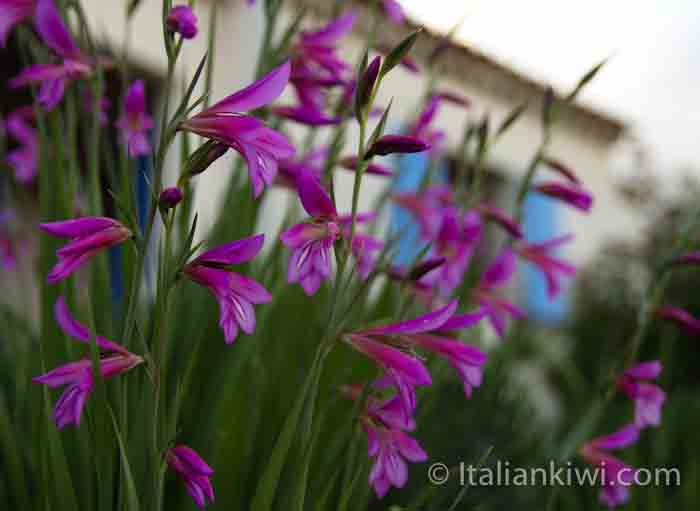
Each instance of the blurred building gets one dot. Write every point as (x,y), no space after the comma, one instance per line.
(583,139)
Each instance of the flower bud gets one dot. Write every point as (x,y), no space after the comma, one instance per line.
(182,21)
(397,144)
(202,158)
(170,197)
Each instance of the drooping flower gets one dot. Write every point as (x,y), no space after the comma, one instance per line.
(135,121)
(553,268)
(311,242)
(25,159)
(182,20)
(397,144)
(494,214)
(497,308)
(648,398)
(384,345)
(616,476)
(89,236)
(12,13)
(78,376)
(260,146)
(235,293)
(689,324)
(390,448)
(394,11)
(572,194)
(195,473)
(456,240)
(53,78)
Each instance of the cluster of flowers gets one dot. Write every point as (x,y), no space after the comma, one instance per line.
(314,70)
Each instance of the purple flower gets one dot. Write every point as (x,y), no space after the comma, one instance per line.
(402,370)
(12,13)
(571,194)
(350,163)
(317,50)
(260,146)
(195,473)
(455,241)
(467,360)
(364,250)
(311,242)
(498,216)
(135,121)
(25,159)
(183,21)
(89,236)
(235,293)
(397,144)
(387,411)
(648,398)
(78,375)
(540,255)
(617,477)
(170,197)
(423,129)
(428,208)
(394,11)
(306,113)
(687,259)
(53,78)
(685,321)
(311,163)
(497,308)
(391,449)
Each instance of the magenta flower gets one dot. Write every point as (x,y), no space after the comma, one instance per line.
(687,259)
(391,449)
(135,122)
(311,242)
(183,21)
(350,163)
(648,398)
(24,160)
(617,477)
(494,214)
(311,163)
(12,13)
(387,411)
(307,114)
(195,473)
(689,324)
(423,128)
(397,144)
(571,194)
(497,308)
(89,236)
(78,375)
(403,371)
(467,360)
(456,240)
(235,293)
(53,78)
(427,208)
(170,197)
(554,269)
(394,11)
(260,146)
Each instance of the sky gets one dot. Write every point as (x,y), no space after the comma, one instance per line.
(651,80)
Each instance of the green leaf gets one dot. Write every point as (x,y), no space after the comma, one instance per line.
(510,119)
(396,55)
(267,486)
(585,80)
(380,127)
(132,501)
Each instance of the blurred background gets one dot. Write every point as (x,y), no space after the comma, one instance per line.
(631,138)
